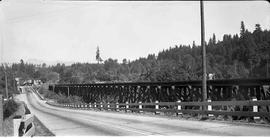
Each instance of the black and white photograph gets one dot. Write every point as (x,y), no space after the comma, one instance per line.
(134,68)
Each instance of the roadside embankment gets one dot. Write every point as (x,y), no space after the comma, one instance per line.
(16,109)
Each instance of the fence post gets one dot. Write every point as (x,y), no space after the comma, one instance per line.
(209,107)
(108,106)
(127,106)
(255,108)
(101,105)
(140,107)
(179,107)
(157,107)
(117,106)
(90,105)
(95,105)
(1,115)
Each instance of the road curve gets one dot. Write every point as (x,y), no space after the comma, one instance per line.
(68,122)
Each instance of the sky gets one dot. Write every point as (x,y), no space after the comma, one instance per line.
(66,31)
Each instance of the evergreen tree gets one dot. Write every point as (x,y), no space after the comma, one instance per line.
(242,29)
(98,58)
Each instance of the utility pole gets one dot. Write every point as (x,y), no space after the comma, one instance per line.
(5,72)
(267,70)
(6,84)
(204,88)
(1,116)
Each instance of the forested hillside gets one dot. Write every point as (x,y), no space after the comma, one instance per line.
(242,55)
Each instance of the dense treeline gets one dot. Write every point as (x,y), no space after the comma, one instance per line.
(244,55)
(238,56)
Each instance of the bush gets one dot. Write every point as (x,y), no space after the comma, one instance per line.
(62,99)
(50,95)
(42,90)
(10,107)
(71,99)
(75,99)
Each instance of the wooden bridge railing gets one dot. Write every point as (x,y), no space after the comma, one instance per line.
(252,108)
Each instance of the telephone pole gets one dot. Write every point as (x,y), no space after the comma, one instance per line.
(6,82)
(267,72)
(204,88)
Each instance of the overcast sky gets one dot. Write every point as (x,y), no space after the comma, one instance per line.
(70,31)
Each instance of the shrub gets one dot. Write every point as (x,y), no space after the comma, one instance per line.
(71,99)
(62,99)
(50,95)
(10,107)
(75,99)
(42,90)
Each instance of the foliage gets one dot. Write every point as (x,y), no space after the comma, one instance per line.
(60,98)
(10,107)
(243,55)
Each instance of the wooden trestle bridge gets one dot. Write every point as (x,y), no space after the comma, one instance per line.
(186,91)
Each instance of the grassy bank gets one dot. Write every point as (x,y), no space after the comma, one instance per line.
(17,108)
(41,130)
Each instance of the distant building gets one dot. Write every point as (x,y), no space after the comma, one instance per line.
(211,76)
(37,82)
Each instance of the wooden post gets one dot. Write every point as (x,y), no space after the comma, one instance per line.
(68,91)
(6,84)
(1,115)
(179,107)
(127,106)
(90,105)
(95,105)
(267,72)
(101,105)
(209,107)
(108,106)
(255,108)
(140,107)
(157,107)
(117,106)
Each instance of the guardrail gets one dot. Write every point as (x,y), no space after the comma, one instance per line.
(24,126)
(252,108)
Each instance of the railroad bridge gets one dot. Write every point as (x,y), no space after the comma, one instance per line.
(186,91)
